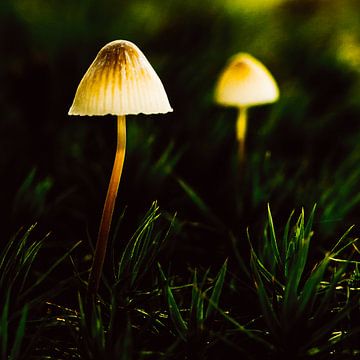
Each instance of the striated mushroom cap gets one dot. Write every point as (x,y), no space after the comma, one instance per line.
(120,81)
(245,82)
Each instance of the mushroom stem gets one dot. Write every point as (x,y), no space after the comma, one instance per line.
(108,209)
(241,124)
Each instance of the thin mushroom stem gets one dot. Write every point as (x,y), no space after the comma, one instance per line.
(241,125)
(108,209)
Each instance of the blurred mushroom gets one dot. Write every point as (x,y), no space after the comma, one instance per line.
(120,81)
(243,83)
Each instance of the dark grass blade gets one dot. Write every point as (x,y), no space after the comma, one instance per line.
(180,324)
(4,327)
(197,200)
(265,302)
(216,292)
(197,305)
(335,251)
(326,297)
(261,268)
(10,346)
(273,240)
(285,243)
(12,257)
(237,326)
(20,333)
(142,249)
(297,259)
(46,274)
(92,340)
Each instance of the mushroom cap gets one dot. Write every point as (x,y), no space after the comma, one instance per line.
(245,82)
(120,81)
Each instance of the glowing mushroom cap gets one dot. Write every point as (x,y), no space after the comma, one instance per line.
(245,82)
(120,81)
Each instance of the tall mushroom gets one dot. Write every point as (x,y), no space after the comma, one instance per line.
(243,83)
(120,82)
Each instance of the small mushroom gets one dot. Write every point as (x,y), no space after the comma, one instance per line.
(120,82)
(243,83)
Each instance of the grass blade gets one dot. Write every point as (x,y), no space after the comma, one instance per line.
(178,321)
(215,295)
(273,240)
(19,334)
(4,327)
(50,270)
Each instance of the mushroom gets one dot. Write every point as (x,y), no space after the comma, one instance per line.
(120,82)
(243,83)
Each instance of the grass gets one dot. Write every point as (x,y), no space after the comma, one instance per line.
(296,303)
(289,302)
(225,263)
(24,295)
